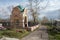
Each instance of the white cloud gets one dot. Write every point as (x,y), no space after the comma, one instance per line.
(53,5)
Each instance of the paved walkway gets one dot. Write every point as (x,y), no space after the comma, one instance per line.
(40,34)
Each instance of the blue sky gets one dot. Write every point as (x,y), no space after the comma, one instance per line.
(10,2)
(53,5)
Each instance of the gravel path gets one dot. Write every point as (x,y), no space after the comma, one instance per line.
(40,34)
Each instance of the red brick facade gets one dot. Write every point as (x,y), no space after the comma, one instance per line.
(18,18)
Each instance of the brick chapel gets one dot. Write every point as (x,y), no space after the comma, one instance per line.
(19,18)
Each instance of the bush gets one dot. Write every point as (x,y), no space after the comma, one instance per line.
(32,23)
(54,33)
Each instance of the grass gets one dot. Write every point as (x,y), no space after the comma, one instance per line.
(13,34)
(1,34)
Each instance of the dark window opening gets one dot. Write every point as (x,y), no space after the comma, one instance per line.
(25,25)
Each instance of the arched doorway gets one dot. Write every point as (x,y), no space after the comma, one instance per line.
(25,22)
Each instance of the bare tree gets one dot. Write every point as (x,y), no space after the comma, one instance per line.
(35,8)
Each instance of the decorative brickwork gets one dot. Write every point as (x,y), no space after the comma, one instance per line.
(18,18)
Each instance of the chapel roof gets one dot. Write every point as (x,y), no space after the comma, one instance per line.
(21,8)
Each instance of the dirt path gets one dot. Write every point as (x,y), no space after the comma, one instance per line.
(40,34)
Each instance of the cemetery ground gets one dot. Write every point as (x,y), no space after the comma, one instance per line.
(39,34)
(42,33)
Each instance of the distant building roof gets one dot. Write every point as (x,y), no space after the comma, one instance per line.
(57,19)
(21,8)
